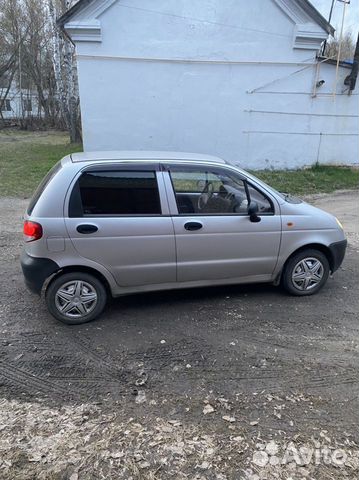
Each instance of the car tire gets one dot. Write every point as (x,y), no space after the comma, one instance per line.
(306,272)
(75,298)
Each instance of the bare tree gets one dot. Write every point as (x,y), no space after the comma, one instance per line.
(65,71)
(9,43)
(347,47)
(37,58)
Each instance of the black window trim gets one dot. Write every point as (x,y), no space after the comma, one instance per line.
(265,214)
(179,167)
(129,166)
(77,203)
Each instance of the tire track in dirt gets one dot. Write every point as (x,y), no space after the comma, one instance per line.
(78,370)
(107,366)
(23,378)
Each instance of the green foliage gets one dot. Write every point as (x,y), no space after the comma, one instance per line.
(318,179)
(26,158)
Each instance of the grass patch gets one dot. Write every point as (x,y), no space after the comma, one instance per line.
(25,159)
(318,179)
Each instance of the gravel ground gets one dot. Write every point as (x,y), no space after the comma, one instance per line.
(221,383)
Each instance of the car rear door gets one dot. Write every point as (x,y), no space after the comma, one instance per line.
(215,238)
(118,217)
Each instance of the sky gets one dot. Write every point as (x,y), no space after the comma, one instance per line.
(351,17)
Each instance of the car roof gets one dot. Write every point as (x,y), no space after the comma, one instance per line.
(143,155)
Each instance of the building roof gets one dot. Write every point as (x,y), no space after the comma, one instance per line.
(80,5)
(304,4)
(316,16)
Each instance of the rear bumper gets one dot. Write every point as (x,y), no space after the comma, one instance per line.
(36,271)
(337,251)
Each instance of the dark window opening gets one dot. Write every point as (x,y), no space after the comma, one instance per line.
(27,105)
(119,193)
(6,105)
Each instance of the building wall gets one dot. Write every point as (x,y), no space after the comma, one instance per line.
(17,111)
(217,77)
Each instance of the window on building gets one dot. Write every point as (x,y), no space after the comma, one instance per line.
(27,105)
(6,105)
(5,80)
(118,193)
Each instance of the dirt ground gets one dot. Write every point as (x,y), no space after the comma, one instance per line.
(239,382)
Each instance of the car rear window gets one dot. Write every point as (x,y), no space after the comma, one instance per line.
(45,181)
(118,193)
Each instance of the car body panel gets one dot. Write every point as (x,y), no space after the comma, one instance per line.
(155,252)
(304,224)
(137,250)
(226,247)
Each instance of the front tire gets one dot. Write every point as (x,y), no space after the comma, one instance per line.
(75,298)
(306,272)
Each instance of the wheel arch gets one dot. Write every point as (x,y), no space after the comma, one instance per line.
(83,269)
(309,246)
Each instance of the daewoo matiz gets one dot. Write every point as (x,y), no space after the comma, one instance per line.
(115,223)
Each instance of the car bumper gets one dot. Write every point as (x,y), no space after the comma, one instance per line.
(337,251)
(36,271)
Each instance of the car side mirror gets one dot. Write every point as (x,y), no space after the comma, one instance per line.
(253,210)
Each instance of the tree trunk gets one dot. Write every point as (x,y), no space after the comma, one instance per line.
(70,76)
(60,87)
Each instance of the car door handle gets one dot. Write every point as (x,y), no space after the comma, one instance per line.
(193,226)
(86,228)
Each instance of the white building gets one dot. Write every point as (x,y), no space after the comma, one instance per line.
(234,78)
(16,103)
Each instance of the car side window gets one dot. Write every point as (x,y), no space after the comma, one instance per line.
(206,191)
(264,204)
(116,193)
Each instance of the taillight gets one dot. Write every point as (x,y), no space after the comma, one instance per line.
(32,231)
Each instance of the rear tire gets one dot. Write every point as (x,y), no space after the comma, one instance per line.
(306,272)
(75,298)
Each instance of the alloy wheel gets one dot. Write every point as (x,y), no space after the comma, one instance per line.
(76,298)
(307,273)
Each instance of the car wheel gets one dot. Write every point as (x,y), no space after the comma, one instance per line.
(76,298)
(306,272)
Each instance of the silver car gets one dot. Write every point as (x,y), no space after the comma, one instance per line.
(117,223)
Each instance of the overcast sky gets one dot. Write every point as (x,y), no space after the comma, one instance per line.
(351,17)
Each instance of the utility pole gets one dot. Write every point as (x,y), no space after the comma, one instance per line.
(329,20)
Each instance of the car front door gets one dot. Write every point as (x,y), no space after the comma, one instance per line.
(118,217)
(215,237)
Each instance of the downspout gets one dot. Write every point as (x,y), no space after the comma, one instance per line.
(352,77)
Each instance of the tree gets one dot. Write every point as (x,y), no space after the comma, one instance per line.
(347,47)
(37,58)
(9,36)
(65,70)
